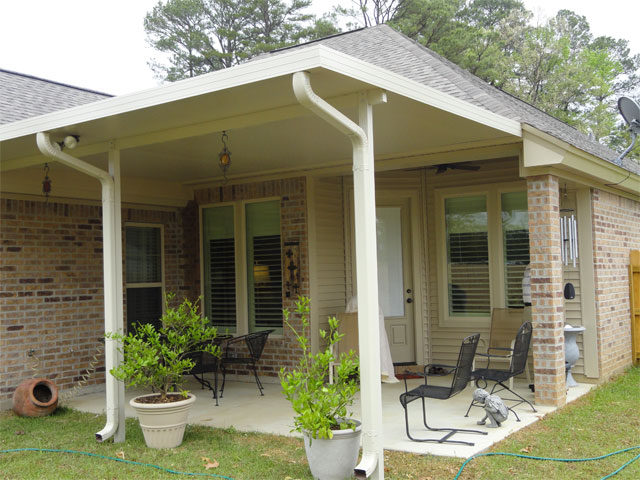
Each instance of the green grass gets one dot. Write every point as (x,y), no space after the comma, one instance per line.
(605,420)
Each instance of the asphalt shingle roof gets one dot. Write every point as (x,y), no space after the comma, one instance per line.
(23,96)
(384,47)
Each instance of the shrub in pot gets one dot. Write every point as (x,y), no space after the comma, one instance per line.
(332,438)
(159,359)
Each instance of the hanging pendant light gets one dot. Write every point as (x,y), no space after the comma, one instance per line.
(224,157)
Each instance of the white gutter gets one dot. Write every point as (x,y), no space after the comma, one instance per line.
(109,238)
(366,264)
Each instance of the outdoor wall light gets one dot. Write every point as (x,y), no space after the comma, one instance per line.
(224,157)
(70,141)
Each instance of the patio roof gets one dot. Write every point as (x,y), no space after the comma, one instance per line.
(172,131)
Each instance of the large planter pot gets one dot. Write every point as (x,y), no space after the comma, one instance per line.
(335,458)
(163,424)
(35,397)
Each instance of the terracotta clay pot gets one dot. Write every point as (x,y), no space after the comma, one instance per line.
(35,397)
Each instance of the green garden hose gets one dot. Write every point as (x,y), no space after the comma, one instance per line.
(88,454)
(569,460)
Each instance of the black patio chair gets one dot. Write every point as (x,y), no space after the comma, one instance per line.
(255,343)
(461,377)
(518,365)
(207,363)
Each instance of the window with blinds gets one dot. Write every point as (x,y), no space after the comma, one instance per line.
(515,234)
(467,256)
(218,225)
(143,266)
(264,265)
(263,260)
(222,282)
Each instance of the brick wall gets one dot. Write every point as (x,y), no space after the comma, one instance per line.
(280,351)
(616,231)
(51,296)
(546,289)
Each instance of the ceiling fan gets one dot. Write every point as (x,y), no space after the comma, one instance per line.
(443,167)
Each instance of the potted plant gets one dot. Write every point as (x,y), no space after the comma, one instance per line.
(159,358)
(331,437)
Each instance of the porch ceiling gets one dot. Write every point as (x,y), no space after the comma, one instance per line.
(175,135)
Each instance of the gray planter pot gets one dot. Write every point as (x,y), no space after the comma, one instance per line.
(335,458)
(163,424)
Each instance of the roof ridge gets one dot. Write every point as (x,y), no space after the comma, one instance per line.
(33,77)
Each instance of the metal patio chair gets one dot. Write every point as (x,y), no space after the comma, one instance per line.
(518,365)
(505,323)
(207,363)
(461,377)
(255,343)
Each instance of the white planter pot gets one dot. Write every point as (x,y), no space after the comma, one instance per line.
(335,458)
(163,424)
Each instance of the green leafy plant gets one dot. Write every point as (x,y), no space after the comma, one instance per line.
(159,358)
(319,407)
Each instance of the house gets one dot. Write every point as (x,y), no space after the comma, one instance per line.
(471,185)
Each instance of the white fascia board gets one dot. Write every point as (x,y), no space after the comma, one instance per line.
(250,72)
(317,56)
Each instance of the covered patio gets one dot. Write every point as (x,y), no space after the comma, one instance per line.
(245,410)
(320,136)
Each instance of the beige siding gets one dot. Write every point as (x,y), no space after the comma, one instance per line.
(573,308)
(329,290)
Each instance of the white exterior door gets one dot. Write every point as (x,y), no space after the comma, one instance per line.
(395,277)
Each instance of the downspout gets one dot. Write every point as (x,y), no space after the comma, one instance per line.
(371,464)
(109,239)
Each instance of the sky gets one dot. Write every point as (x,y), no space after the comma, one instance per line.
(101,44)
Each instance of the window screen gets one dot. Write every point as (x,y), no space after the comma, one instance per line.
(143,275)
(467,256)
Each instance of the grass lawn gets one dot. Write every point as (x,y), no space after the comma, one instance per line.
(605,420)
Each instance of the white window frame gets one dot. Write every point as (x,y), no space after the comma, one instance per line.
(493,194)
(161,283)
(240,245)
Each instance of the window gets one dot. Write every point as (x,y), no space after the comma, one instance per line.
(483,244)
(220,266)
(515,239)
(242,252)
(468,256)
(143,274)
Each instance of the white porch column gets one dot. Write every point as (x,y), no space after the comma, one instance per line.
(364,195)
(361,136)
(114,171)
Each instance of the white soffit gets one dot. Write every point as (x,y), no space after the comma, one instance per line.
(286,63)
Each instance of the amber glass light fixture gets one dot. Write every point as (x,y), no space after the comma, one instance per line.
(224,157)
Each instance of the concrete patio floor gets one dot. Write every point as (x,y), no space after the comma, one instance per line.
(244,409)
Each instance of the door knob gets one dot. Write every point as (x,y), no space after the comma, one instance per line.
(409,300)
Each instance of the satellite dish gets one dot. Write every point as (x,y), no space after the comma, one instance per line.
(631,114)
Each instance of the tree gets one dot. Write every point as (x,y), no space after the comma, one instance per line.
(201,36)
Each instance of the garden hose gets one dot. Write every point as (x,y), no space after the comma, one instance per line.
(130,462)
(568,460)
